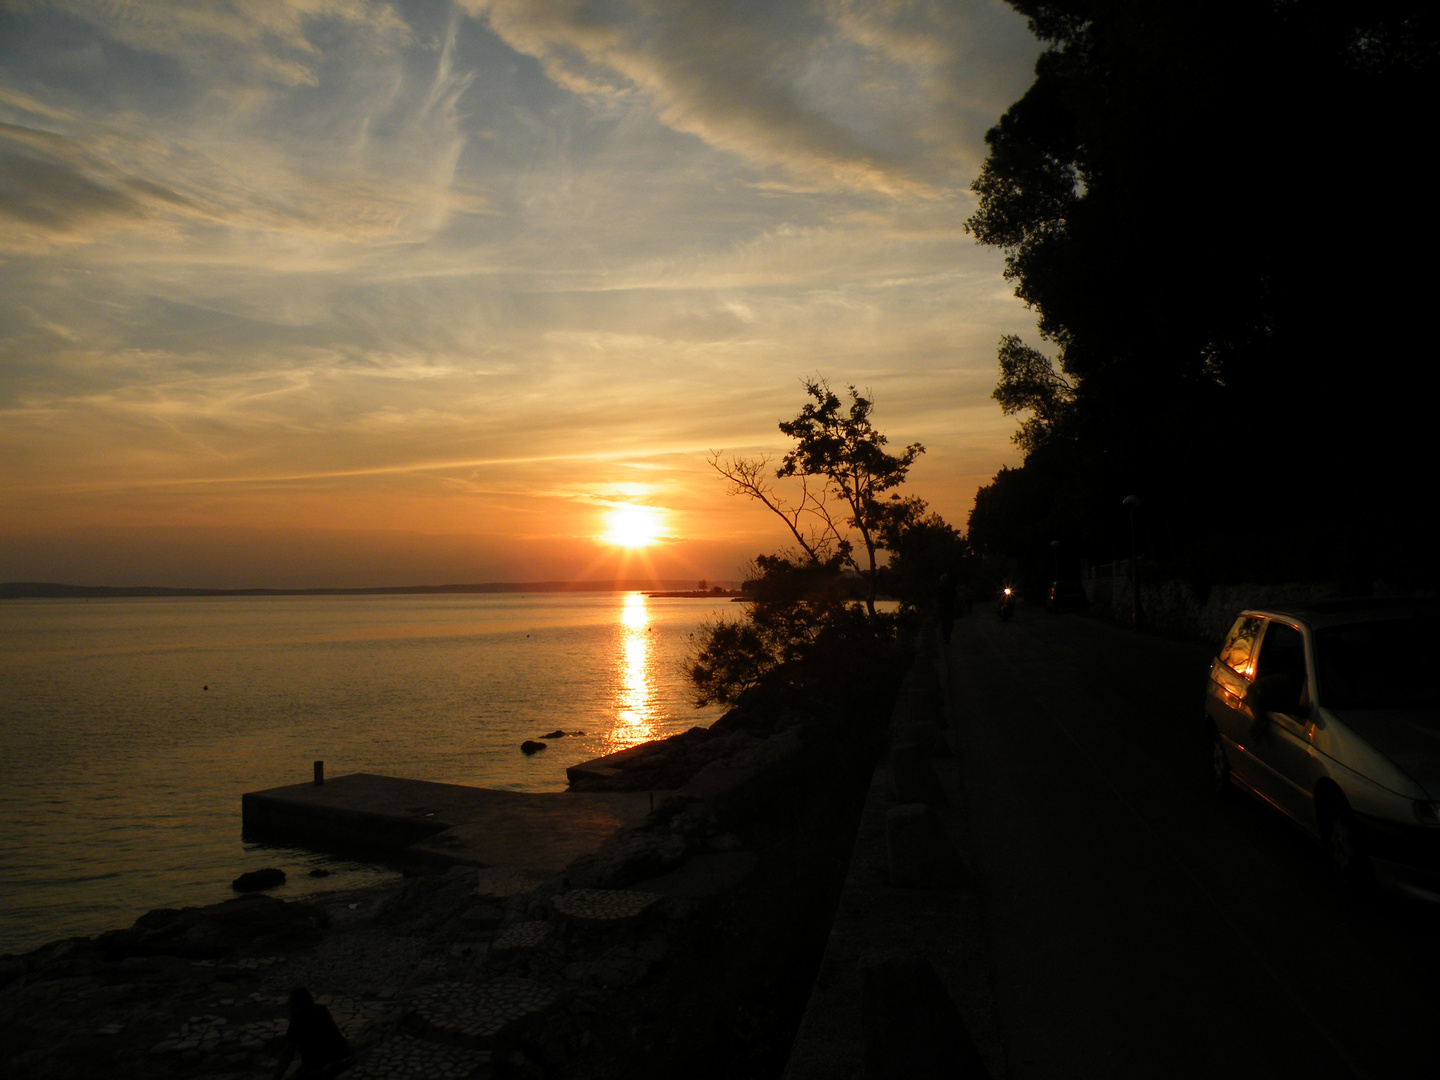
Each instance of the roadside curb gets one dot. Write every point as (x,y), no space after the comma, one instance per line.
(904,986)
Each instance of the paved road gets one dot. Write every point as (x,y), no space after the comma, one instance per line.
(1137,925)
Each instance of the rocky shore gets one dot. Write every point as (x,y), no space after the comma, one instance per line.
(684,945)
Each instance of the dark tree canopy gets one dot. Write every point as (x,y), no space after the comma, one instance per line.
(1221,216)
(839,460)
(804,634)
(842,448)
(1030,384)
(923,547)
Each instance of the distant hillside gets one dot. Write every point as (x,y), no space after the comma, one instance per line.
(15,590)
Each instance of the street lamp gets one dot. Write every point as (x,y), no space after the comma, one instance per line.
(1132,503)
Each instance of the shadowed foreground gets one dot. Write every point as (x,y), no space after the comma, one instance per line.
(683,944)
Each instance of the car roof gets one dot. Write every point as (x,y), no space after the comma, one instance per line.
(1346,610)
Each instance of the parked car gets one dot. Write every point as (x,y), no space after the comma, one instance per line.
(1330,713)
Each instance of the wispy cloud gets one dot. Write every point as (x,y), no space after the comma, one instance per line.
(845,93)
(228,134)
(239,39)
(338,262)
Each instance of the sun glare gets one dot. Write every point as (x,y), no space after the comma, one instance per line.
(633,526)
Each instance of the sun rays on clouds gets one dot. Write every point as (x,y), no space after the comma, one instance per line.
(457,270)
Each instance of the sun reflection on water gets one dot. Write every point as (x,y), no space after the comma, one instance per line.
(636,713)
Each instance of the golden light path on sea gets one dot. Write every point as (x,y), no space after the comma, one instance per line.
(636,714)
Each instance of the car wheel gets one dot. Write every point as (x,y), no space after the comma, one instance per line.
(1219,763)
(1344,845)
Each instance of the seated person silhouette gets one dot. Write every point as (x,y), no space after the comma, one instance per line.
(314,1035)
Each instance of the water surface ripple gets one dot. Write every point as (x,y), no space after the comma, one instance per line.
(129,728)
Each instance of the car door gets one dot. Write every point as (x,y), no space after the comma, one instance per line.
(1230,676)
(1281,700)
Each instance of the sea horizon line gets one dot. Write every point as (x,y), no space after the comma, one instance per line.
(29,590)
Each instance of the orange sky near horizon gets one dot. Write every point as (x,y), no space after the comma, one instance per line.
(421,293)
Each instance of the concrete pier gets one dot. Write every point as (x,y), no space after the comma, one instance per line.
(609,766)
(442,823)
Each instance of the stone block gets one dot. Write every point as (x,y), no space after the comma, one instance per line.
(926,702)
(913,1031)
(914,776)
(920,733)
(919,850)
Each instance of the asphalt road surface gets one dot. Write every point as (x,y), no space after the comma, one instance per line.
(1139,926)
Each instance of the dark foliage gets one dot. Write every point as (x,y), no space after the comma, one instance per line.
(923,547)
(844,449)
(804,638)
(1220,214)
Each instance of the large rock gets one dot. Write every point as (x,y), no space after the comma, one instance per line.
(428,900)
(259,880)
(730,778)
(214,931)
(751,719)
(662,765)
(629,856)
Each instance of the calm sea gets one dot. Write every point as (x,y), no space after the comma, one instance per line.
(129,728)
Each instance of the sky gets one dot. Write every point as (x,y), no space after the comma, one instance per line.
(301,293)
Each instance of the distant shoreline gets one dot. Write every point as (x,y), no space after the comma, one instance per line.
(44,590)
(716,593)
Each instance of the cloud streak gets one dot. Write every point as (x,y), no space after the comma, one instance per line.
(754,80)
(239,39)
(479,267)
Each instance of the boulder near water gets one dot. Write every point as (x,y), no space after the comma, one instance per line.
(259,880)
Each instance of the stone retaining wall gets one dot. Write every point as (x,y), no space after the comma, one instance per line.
(1173,607)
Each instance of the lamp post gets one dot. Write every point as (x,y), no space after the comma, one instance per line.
(1132,503)
(1055,551)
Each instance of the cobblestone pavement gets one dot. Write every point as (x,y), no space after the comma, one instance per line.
(480,1012)
(421,1059)
(448,977)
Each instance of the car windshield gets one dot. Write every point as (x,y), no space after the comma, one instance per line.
(1379,665)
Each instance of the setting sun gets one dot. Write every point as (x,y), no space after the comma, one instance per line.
(591,275)
(633,526)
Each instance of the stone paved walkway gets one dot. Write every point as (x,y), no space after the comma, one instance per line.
(418,1005)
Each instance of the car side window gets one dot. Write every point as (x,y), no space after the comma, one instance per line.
(1280,670)
(1239,646)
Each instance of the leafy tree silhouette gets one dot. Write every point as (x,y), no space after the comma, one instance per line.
(1221,217)
(803,626)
